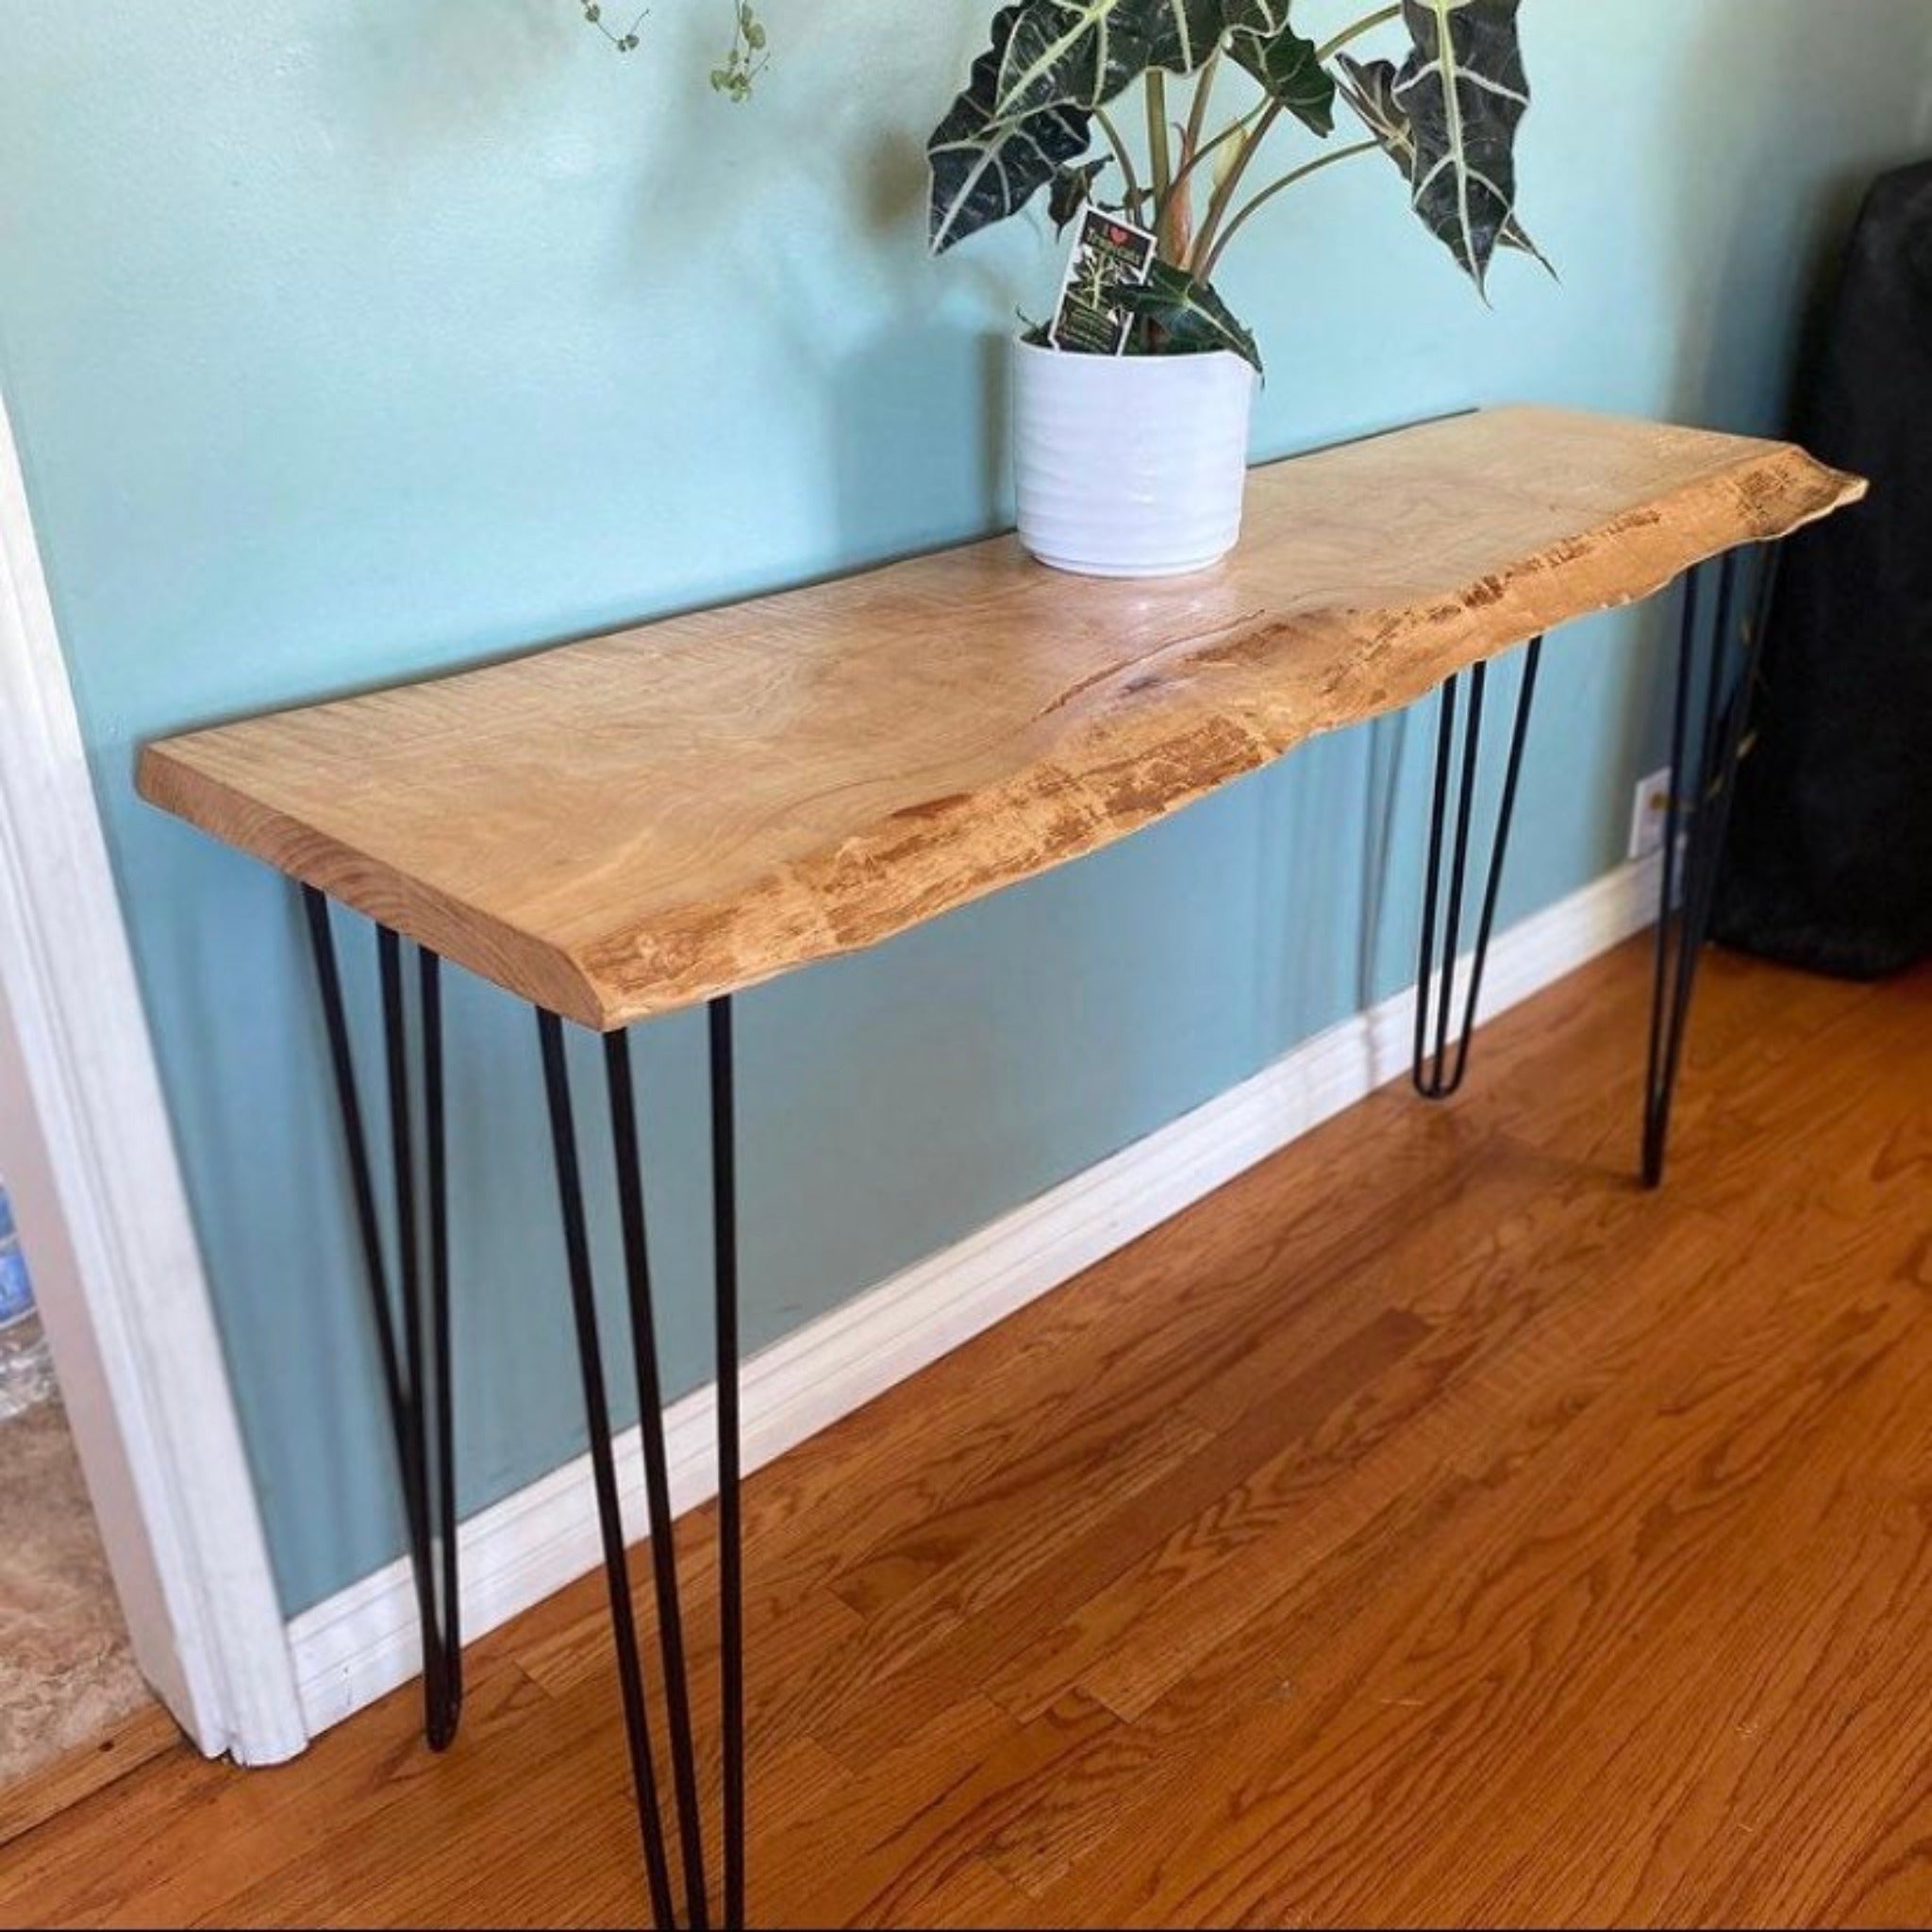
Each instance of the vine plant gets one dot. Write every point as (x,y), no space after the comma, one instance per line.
(744,59)
(1042,109)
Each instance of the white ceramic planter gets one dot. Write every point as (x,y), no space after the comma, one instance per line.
(1130,466)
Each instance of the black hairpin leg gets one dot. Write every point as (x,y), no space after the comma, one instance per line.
(570,1186)
(730,1518)
(416,1374)
(1435,1075)
(643,1334)
(1702,787)
(657,1475)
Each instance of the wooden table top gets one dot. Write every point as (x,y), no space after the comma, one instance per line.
(631,823)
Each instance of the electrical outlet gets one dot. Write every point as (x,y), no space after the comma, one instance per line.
(1650,815)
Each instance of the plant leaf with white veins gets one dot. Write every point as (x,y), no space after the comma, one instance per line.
(1073,188)
(984,169)
(1464,92)
(1288,66)
(1262,18)
(1083,52)
(1369,88)
(1193,318)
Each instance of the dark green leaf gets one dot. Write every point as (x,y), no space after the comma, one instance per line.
(1073,188)
(1182,33)
(1464,92)
(1083,52)
(1189,316)
(1369,88)
(1264,19)
(1290,71)
(984,169)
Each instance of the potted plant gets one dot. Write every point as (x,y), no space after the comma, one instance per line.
(1131,407)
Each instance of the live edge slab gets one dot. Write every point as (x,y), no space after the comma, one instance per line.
(629,824)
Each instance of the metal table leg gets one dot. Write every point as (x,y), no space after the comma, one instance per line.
(1433,1075)
(656,1478)
(569,1189)
(730,1517)
(623,1133)
(1706,746)
(416,1369)
(1703,786)
(413,1328)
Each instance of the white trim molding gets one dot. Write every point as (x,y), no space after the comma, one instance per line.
(90,1161)
(363,1642)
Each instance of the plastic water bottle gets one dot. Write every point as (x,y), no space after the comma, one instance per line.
(26,1369)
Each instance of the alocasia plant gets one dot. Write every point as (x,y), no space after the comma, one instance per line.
(1037,106)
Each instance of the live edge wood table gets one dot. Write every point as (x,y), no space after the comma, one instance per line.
(621,828)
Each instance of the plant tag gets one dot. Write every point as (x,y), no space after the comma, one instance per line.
(1109,254)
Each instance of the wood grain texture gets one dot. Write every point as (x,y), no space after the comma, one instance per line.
(1430,1528)
(621,826)
(61,1784)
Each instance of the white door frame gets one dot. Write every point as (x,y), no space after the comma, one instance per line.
(91,1162)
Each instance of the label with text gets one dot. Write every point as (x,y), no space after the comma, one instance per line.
(1109,254)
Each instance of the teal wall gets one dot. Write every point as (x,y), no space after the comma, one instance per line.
(347,339)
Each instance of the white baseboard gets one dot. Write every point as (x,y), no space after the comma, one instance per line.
(361,1642)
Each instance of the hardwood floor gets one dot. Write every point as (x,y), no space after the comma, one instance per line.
(1431,1528)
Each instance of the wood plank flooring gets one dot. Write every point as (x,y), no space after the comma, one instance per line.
(1431,1528)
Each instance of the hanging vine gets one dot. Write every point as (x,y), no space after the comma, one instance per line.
(744,59)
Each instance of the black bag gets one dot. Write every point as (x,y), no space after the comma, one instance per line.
(1831,858)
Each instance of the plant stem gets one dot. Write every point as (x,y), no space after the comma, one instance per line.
(1130,181)
(1200,155)
(1362,27)
(1160,159)
(1177,213)
(1197,117)
(1275,187)
(1205,248)
(1215,231)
